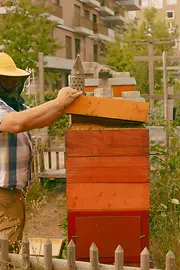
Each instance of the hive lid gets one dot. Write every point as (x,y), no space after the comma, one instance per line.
(109,108)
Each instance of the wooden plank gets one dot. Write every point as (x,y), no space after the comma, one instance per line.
(151,73)
(168,68)
(107,197)
(106,142)
(109,108)
(61,264)
(123,169)
(155,58)
(61,173)
(165,84)
(161,97)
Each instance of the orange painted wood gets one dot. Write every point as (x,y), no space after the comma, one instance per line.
(107,197)
(122,169)
(85,140)
(117,89)
(109,108)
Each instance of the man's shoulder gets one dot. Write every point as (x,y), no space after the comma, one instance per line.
(4,105)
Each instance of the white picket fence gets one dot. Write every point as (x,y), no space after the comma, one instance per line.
(27,262)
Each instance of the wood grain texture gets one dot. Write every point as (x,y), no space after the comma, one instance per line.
(109,108)
(122,169)
(81,142)
(101,239)
(107,197)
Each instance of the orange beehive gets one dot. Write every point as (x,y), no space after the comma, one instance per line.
(119,85)
(107,172)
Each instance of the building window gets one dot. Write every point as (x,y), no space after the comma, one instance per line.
(145,3)
(57,2)
(171,2)
(87,14)
(157,3)
(95,53)
(94,18)
(77,15)
(68,47)
(170,14)
(77,46)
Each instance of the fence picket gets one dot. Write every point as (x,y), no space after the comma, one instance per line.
(170,261)
(71,256)
(4,252)
(48,255)
(27,262)
(119,258)
(94,258)
(25,254)
(144,264)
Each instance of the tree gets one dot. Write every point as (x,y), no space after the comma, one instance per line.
(25,31)
(134,41)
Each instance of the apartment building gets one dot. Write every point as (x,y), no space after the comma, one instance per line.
(167,9)
(84,27)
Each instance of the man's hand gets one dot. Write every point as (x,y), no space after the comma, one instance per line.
(67,95)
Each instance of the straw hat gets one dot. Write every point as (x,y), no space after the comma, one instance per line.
(8,67)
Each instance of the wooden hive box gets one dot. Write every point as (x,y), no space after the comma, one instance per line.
(107,173)
(119,85)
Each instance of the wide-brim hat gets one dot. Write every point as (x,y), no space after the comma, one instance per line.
(8,67)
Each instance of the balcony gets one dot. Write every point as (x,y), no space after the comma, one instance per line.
(130,5)
(115,20)
(103,33)
(83,26)
(106,8)
(55,11)
(92,3)
(118,19)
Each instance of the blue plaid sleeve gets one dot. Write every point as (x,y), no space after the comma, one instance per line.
(4,110)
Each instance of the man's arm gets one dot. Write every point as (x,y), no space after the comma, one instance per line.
(39,116)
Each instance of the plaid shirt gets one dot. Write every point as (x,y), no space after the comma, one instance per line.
(15,155)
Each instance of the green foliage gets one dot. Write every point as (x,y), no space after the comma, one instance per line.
(134,41)
(58,128)
(26,31)
(165,200)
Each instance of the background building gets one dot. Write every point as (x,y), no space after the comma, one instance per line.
(83,27)
(167,9)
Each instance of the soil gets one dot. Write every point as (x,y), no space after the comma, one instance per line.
(43,218)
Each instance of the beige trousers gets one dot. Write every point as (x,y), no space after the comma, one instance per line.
(12,214)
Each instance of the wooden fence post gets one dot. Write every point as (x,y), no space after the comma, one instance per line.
(119,258)
(165,98)
(41,77)
(25,254)
(151,73)
(94,260)
(4,252)
(71,256)
(170,261)
(48,255)
(144,259)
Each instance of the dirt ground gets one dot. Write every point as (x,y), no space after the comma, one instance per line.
(43,218)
